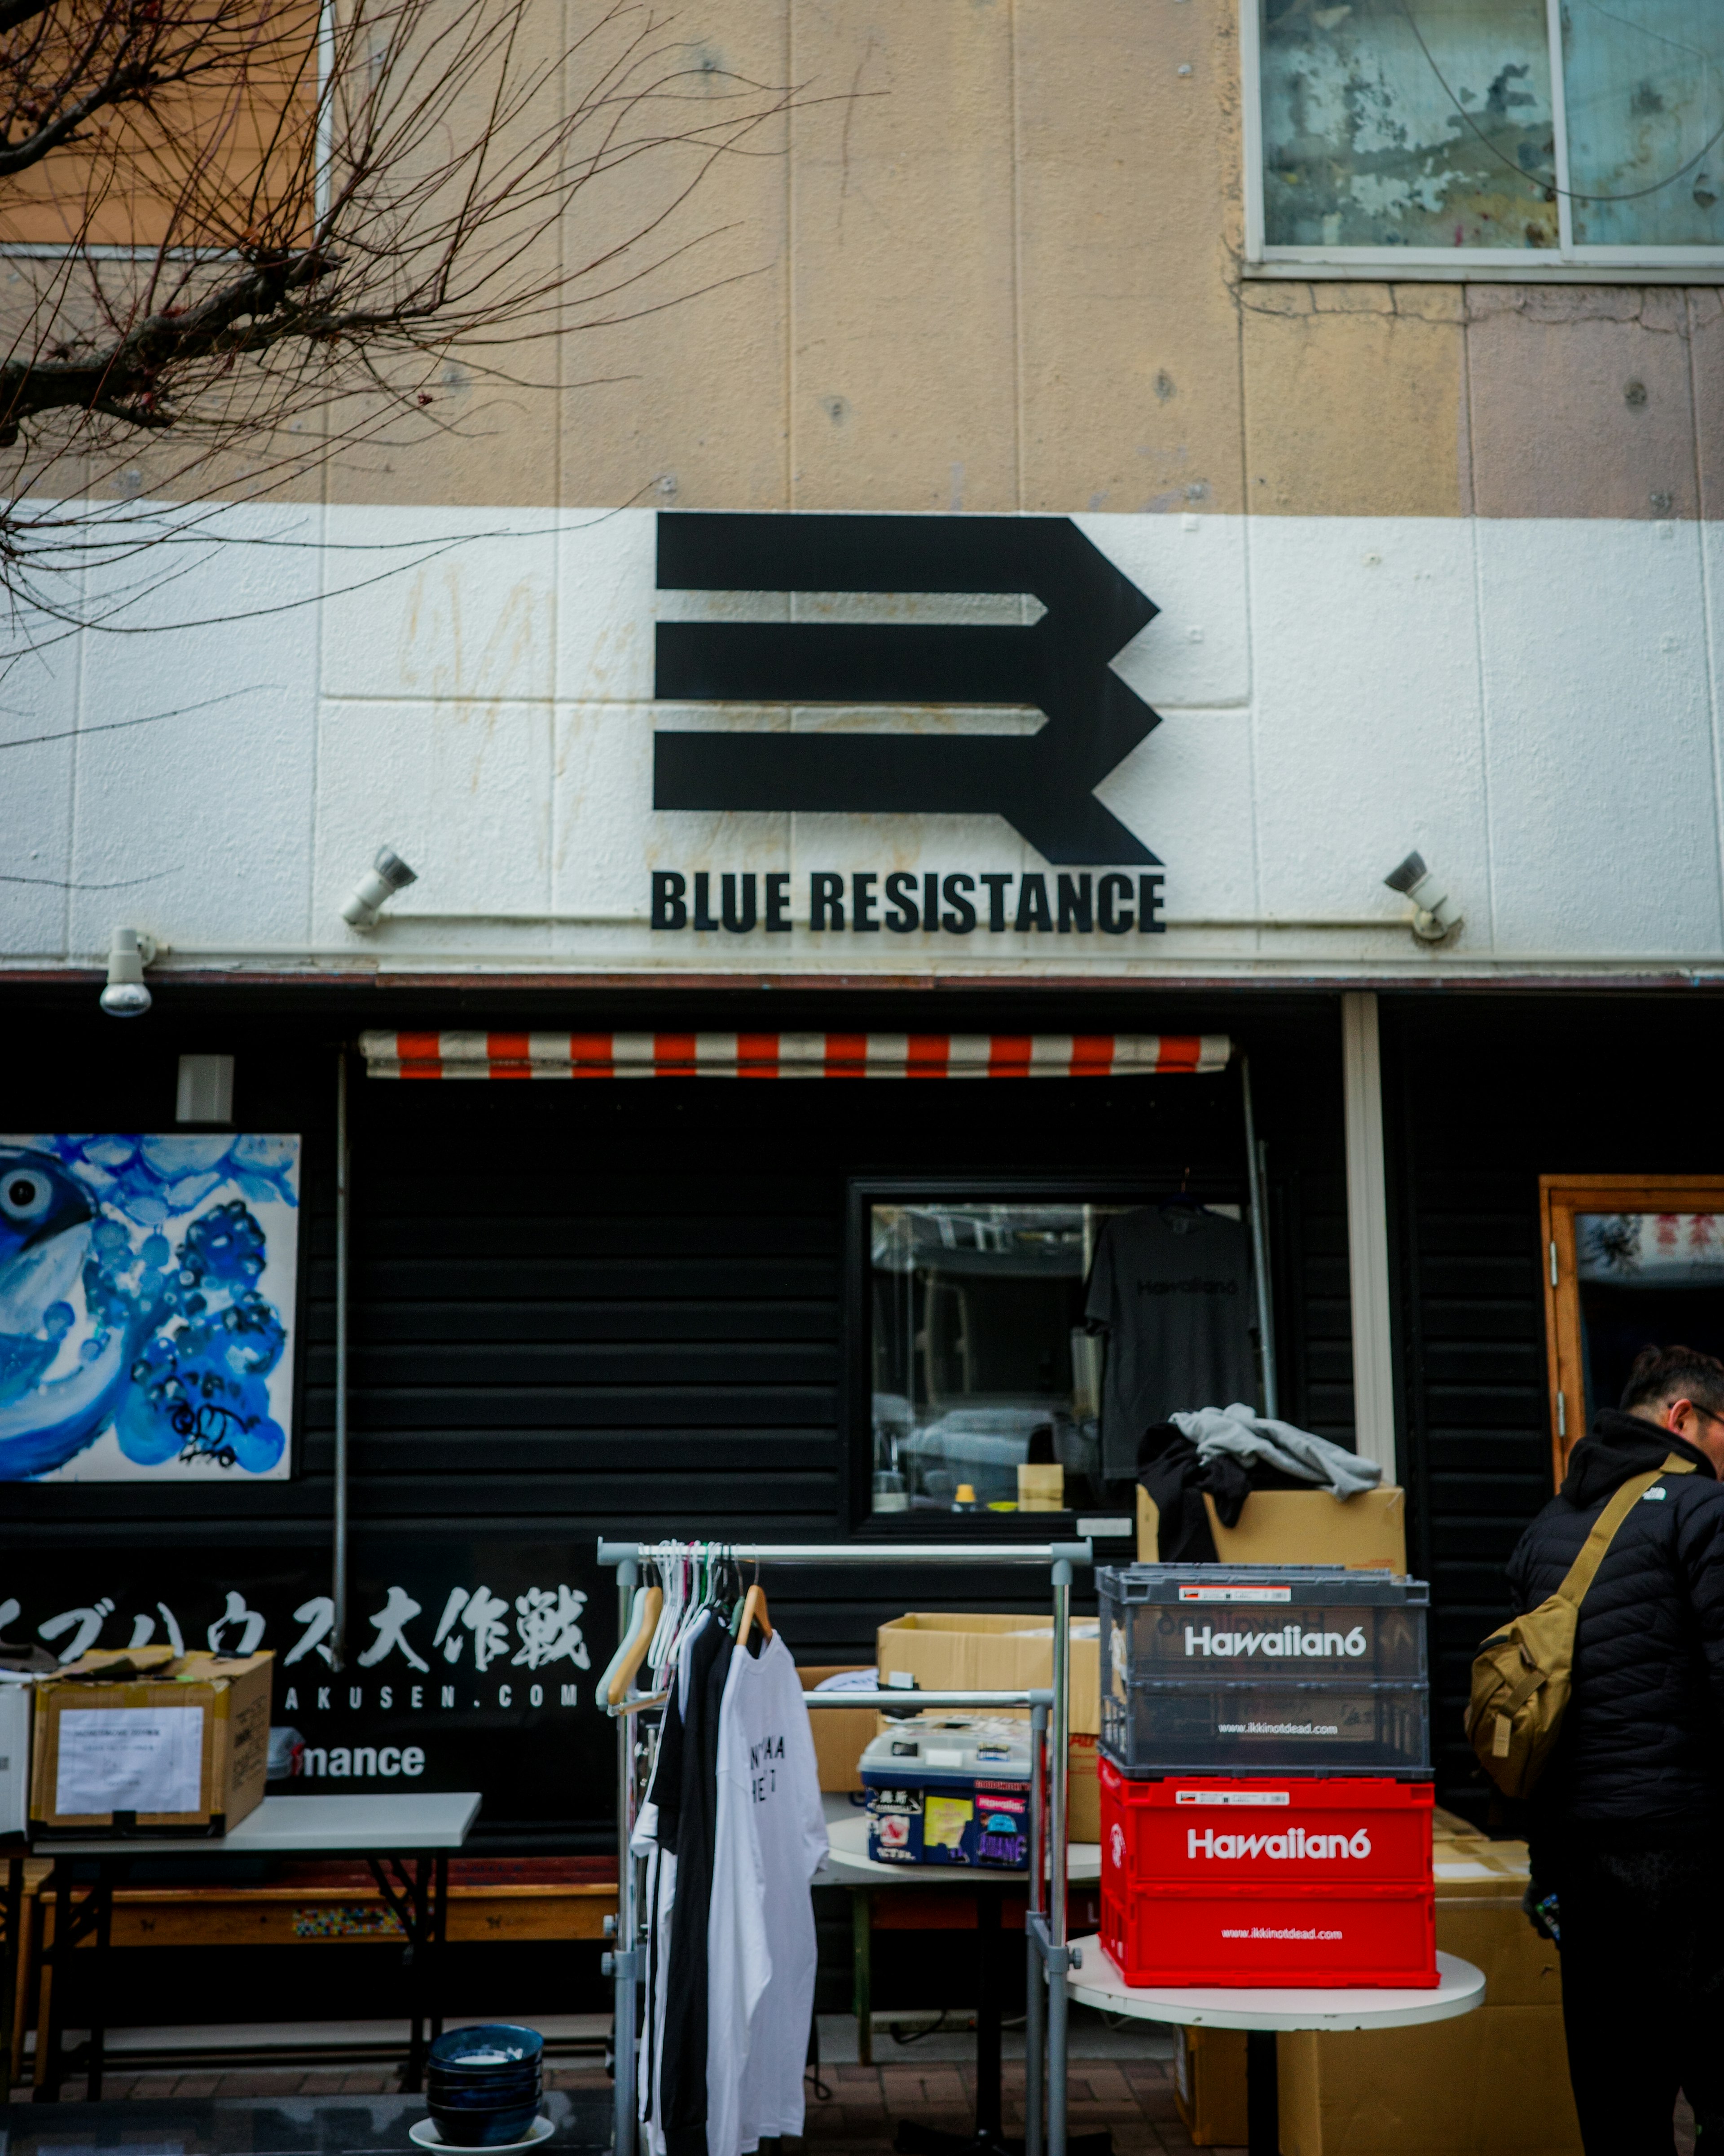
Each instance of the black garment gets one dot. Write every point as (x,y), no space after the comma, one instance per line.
(1175,1480)
(1170,1286)
(1643,1988)
(690,1830)
(1639,1764)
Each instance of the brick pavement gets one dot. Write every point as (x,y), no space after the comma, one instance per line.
(855,2118)
(1134,2098)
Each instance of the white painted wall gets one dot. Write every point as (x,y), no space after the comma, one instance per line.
(1534,704)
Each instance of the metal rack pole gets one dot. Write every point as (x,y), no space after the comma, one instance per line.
(1257,1182)
(1059,1741)
(338,1535)
(1035,1997)
(877,1554)
(626,1947)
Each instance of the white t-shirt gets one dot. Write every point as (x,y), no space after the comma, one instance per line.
(760,1939)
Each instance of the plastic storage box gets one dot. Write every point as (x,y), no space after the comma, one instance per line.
(1321,1881)
(949,1792)
(1313,1669)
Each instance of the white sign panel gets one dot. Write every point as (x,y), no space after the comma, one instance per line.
(129,1759)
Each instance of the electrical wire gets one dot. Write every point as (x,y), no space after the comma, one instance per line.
(1552,191)
(894,2030)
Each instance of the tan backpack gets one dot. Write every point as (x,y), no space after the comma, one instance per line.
(1522,1675)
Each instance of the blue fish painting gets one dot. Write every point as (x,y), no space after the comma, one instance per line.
(147,1303)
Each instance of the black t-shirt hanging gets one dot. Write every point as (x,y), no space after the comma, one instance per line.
(682,2071)
(1173,1289)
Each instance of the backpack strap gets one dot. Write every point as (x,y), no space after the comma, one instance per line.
(1582,1572)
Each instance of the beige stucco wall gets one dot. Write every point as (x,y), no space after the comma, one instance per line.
(990,260)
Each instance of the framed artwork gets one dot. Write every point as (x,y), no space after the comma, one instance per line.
(1631,1261)
(148,1300)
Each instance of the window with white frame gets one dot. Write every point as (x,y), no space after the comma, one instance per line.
(1493,137)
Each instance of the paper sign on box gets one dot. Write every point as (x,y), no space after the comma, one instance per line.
(129,1759)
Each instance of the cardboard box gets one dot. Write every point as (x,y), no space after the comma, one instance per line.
(1083,1789)
(993,1653)
(840,1732)
(1493,2083)
(186,1739)
(945,1652)
(1209,2086)
(1299,1526)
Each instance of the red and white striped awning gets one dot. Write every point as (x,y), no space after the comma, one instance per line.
(791,1055)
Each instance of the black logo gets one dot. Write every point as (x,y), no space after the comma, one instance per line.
(1040,783)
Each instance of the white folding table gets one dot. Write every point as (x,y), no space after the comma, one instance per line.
(385,1832)
(1094,1979)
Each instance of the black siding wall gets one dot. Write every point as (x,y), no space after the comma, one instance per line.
(614,1307)
(1484,1094)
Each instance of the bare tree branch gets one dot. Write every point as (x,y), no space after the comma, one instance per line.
(254,234)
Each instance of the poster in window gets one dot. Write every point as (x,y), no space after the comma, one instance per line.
(148,1293)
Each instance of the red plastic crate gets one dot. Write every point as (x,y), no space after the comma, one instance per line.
(1265,1880)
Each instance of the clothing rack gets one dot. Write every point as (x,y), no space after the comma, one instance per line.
(1050,1956)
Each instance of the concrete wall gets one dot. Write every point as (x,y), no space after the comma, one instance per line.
(1533,703)
(991,260)
(1439,564)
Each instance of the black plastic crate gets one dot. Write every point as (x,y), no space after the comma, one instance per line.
(1334,1728)
(1202,1624)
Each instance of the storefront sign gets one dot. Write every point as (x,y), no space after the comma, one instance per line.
(957,904)
(1041,784)
(469,1665)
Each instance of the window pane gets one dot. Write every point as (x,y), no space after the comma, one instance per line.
(1645,83)
(979,1351)
(1426,124)
(1647,1280)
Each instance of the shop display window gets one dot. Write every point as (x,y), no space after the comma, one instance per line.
(980,1362)
(1630,1262)
(970,1356)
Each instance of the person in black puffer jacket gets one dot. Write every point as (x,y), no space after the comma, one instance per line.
(1625,1820)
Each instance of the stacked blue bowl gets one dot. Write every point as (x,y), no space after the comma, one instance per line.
(484,2084)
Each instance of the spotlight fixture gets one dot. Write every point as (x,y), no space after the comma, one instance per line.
(125,995)
(386,875)
(1434,913)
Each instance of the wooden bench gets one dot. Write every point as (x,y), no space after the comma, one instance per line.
(505,1900)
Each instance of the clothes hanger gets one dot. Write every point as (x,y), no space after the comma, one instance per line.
(625,1639)
(643,1623)
(754,1604)
(664,1563)
(1184,1200)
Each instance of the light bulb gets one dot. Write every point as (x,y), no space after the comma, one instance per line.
(125,995)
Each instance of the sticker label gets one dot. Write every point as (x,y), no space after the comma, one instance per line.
(1291,1847)
(1235,1594)
(1288,1642)
(944,1819)
(1232,1796)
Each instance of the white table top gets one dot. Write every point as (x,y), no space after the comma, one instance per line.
(1096,1982)
(417,1822)
(850,1864)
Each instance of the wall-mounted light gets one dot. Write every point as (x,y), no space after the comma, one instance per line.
(386,875)
(129,953)
(1434,913)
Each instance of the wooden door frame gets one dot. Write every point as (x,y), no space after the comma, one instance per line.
(1560,1198)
